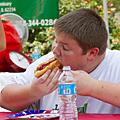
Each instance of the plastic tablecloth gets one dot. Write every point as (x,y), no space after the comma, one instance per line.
(81,116)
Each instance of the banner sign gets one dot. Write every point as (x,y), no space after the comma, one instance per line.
(35,13)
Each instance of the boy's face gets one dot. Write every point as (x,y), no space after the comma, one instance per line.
(68,52)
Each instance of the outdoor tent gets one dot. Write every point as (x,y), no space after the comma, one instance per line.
(106,19)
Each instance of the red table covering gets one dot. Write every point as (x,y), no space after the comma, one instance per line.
(81,116)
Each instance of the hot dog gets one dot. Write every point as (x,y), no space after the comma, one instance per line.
(49,64)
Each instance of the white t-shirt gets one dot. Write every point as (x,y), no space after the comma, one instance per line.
(108,70)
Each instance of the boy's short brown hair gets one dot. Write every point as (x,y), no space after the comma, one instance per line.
(86,27)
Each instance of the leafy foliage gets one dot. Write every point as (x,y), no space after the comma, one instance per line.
(41,37)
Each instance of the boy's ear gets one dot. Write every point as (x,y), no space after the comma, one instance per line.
(92,53)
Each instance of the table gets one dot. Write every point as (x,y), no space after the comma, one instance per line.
(81,116)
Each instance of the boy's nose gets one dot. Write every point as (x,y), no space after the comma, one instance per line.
(55,49)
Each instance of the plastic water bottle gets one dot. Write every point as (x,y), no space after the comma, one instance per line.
(36,54)
(67,94)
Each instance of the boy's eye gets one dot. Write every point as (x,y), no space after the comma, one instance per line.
(65,48)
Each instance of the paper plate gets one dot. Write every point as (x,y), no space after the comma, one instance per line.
(34,114)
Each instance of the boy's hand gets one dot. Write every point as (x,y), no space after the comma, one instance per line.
(84,82)
(45,84)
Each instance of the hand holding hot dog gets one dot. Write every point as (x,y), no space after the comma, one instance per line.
(43,82)
(46,83)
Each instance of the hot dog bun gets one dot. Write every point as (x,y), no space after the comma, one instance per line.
(49,64)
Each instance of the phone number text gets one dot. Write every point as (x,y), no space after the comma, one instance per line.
(42,22)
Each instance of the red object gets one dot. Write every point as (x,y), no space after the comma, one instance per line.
(13,64)
(13,42)
(81,116)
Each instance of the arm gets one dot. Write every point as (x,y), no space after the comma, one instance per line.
(2,37)
(18,97)
(102,90)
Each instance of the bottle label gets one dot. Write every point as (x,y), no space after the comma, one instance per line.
(36,56)
(67,89)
